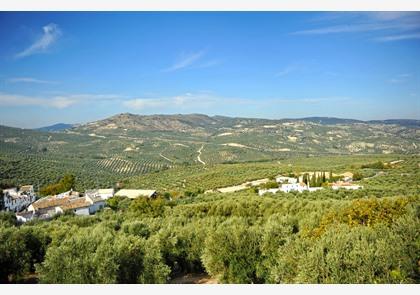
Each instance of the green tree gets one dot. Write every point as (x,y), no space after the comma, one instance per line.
(15,260)
(65,184)
(232,252)
(102,256)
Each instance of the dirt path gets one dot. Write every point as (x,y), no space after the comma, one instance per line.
(166,158)
(239,187)
(193,279)
(199,155)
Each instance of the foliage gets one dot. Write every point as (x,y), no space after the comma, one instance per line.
(232,252)
(376,165)
(101,256)
(270,184)
(65,184)
(14,259)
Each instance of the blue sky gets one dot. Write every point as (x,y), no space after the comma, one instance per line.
(79,67)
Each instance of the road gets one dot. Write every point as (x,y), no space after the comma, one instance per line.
(166,158)
(199,155)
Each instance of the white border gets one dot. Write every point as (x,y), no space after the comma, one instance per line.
(209,5)
(211,289)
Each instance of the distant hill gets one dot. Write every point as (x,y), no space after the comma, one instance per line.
(401,122)
(209,124)
(203,123)
(329,120)
(55,127)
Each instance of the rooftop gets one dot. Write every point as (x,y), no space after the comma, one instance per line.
(134,193)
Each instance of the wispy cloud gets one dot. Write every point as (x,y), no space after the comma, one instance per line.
(398,25)
(29,80)
(51,33)
(208,64)
(185,61)
(398,37)
(287,70)
(57,101)
(202,101)
(400,78)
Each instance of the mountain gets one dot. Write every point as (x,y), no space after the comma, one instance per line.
(200,122)
(55,127)
(401,122)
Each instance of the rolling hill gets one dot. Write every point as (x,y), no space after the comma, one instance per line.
(110,150)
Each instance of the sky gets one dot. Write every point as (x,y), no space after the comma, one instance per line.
(77,67)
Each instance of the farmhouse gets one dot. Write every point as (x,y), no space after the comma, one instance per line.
(135,193)
(105,193)
(300,187)
(16,200)
(48,207)
(289,187)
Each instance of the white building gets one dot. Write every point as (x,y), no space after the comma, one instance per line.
(16,200)
(299,187)
(135,193)
(104,194)
(48,207)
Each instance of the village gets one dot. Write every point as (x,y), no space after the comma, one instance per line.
(27,206)
(24,203)
(319,181)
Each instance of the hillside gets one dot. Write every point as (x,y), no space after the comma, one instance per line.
(55,127)
(110,150)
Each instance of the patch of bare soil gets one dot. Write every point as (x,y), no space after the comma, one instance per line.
(193,278)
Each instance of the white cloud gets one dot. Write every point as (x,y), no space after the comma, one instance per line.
(203,101)
(29,80)
(58,101)
(51,33)
(185,61)
(353,28)
(398,37)
(399,25)
(400,78)
(287,70)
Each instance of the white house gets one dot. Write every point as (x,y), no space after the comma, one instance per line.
(24,216)
(135,193)
(299,187)
(102,193)
(16,200)
(96,203)
(284,179)
(49,206)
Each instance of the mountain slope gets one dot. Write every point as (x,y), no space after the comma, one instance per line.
(55,127)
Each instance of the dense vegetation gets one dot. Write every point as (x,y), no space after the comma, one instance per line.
(65,184)
(365,236)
